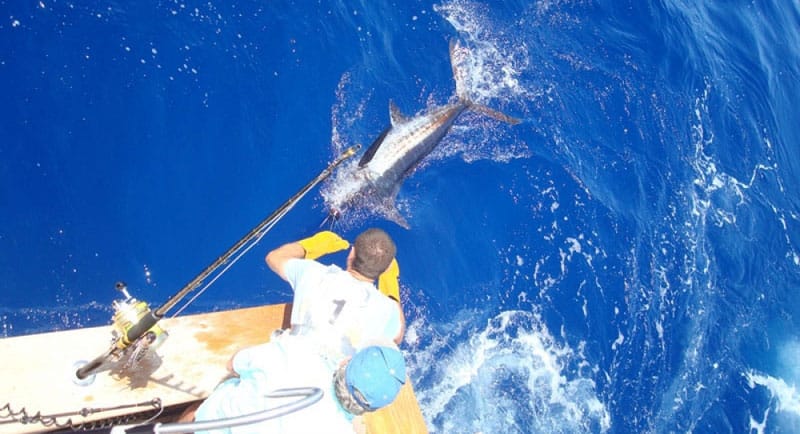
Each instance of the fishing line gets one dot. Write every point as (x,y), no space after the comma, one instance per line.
(131,332)
(232,262)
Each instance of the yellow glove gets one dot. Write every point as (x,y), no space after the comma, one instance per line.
(388,281)
(323,243)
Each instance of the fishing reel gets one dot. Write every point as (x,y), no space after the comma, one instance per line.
(128,312)
(136,329)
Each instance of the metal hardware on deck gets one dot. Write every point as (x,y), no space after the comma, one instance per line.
(310,395)
(56,420)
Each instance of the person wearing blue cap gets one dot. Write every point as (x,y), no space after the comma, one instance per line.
(371,379)
(368,381)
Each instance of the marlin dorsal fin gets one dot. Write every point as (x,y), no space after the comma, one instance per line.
(373,148)
(395,115)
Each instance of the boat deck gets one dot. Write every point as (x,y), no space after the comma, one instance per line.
(38,371)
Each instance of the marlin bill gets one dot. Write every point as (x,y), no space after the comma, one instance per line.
(377,178)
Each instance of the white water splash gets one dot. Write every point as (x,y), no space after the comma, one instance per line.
(491,64)
(345,114)
(789,358)
(786,396)
(512,376)
(719,197)
(784,406)
(717,194)
(63,316)
(785,401)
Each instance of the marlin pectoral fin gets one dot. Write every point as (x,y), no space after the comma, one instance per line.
(395,115)
(373,148)
(391,207)
(494,114)
(394,215)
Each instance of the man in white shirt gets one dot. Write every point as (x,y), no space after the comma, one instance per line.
(370,380)
(341,308)
(335,313)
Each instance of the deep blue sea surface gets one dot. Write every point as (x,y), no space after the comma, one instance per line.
(625,260)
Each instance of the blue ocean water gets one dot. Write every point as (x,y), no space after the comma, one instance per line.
(622,261)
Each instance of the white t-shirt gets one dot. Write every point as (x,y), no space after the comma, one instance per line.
(285,362)
(333,315)
(337,310)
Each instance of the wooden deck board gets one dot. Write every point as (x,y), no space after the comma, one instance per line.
(38,370)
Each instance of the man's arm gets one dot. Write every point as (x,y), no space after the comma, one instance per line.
(312,247)
(277,259)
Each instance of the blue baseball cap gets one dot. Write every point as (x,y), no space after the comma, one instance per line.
(375,375)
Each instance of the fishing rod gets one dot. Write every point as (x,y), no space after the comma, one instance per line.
(134,320)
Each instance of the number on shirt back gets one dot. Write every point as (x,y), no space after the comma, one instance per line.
(339,305)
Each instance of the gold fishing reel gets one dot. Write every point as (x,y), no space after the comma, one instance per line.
(128,312)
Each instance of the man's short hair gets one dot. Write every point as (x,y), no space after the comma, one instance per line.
(374,251)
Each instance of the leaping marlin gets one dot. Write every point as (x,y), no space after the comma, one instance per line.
(400,148)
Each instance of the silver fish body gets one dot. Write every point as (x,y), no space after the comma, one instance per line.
(399,149)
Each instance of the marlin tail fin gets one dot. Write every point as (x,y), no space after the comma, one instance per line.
(458,55)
